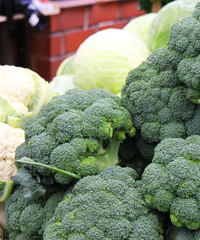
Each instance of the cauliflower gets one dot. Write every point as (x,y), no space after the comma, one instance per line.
(22,94)
(17,87)
(10,139)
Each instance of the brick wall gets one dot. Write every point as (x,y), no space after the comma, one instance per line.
(67,30)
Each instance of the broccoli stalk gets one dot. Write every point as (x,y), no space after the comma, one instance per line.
(30,161)
(107,154)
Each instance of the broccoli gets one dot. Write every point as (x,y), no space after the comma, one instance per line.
(175,233)
(29,218)
(162,93)
(28,210)
(79,131)
(171,182)
(105,206)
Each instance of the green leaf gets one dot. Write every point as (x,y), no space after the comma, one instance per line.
(6,110)
(31,188)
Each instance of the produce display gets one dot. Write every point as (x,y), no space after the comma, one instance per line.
(104,59)
(22,94)
(97,166)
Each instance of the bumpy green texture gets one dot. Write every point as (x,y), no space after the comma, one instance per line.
(162,93)
(106,206)
(182,233)
(171,183)
(79,131)
(27,219)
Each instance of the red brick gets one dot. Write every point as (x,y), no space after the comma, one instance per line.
(74,39)
(118,25)
(54,64)
(42,67)
(68,18)
(56,43)
(39,44)
(130,9)
(103,12)
(45,67)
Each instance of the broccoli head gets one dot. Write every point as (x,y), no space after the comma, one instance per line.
(26,219)
(162,93)
(171,183)
(79,131)
(105,206)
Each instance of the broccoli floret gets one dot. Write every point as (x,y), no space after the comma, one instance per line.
(26,219)
(108,205)
(175,233)
(79,131)
(162,93)
(171,182)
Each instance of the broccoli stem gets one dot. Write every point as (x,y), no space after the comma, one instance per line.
(30,161)
(107,155)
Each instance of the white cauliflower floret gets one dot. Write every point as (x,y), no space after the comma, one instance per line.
(19,107)
(7,169)
(10,139)
(17,86)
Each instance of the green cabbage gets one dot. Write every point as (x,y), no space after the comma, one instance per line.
(140,26)
(165,18)
(66,66)
(104,59)
(61,84)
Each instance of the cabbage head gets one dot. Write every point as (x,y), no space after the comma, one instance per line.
(140,26)
(104,59)
(168,15)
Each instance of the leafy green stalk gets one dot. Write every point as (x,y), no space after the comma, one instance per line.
(30,161)
(107,155)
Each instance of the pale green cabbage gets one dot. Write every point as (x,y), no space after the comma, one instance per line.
(104,59)
(61,84)
(66,66)
(140,26)
(168,15)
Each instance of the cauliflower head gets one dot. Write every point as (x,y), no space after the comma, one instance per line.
(10,139)
(17,87)
(22,94)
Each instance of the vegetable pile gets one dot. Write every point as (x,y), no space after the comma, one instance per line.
(22,94)
(162,94)
(79,131)
(94,166)
(106,56)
